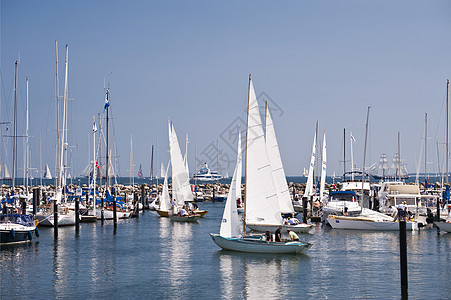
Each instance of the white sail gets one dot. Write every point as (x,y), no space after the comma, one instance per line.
(185,158)
(6,174)
(230,225)
(323,169)
(162,170)
(309,187)
(47,174)
(261,202)
(165,200)
(181,189)
(278,173)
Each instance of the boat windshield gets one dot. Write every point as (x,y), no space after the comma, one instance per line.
(343,196)
(18,219)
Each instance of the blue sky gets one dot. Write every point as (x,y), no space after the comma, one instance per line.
(189,61)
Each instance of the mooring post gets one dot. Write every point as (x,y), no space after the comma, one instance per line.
(35,200)
(143,197)
(24,206)
(304,209)
(403,256)
(438,210)
(77,213)
(114,209)
(55,219)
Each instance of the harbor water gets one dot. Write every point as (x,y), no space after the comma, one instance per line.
(152,258)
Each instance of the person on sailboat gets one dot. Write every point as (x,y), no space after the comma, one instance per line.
(268,236)
(278,234)
(293,235)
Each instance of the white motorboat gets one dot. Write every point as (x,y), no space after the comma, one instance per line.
(16,228)
(206,174)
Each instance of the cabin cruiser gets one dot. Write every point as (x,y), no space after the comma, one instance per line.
(205,174)
(341,203)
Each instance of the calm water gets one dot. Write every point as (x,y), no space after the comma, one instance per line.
(153,258)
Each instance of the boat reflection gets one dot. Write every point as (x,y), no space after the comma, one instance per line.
(256,275)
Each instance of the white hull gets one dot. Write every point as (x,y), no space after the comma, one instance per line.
(299,228)
(445,226)
(63,219)
(257,245)
(362,223)
(108,214)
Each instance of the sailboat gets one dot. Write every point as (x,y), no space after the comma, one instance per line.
(16,228)
(280,185)
(66,216)
(47,174)
(181,188)
(261,204)
(140,172)
(165,200)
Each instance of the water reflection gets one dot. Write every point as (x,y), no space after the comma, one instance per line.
(254,275)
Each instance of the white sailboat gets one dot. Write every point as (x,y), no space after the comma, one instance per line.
(165,200)
(280,184)
(47,174)
(322,195)
(181,188)
(261,203)
(309,187)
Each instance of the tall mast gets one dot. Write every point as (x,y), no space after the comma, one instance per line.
(447,129)
(156,146)
(344,153)
(100,151)
(65,105)
(151,165)
(245,163)
(57,178)
(399,157)
(15,127)
(217,161)
(352,160)
(425,144)
(107,163)
(94,169)
(26,148)
(364,153)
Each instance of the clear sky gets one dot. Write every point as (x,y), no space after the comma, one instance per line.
(189,61)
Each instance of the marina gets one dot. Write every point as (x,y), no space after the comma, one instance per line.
(120,125)
(153,257)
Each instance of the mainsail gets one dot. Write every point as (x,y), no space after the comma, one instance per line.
(181,189)
(262,206)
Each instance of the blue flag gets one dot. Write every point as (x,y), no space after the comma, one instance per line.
(107,103)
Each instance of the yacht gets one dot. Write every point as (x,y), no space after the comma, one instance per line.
(205,174)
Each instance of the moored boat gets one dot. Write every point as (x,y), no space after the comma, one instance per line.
(17,228)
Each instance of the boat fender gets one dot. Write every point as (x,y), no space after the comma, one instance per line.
(30,235)
(36,222)
(13,233)
(36,232)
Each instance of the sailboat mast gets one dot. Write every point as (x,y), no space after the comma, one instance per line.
(245,163)
(151,165)
(57,178)
(15,127)
(107,163)
(399,157)
(425,144)
(26,148)
(94,169)
(447,129)
(217,162)
(344,154)
(156,156)
(100,151)
(364,153)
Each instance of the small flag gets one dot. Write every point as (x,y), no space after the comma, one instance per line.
(352,138)
(94,127)
(97,163)
(107,103)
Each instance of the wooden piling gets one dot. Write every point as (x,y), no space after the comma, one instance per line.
(77,213)
(114,210)
(438,210)
(55,219)
(304,209)
(403,255)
